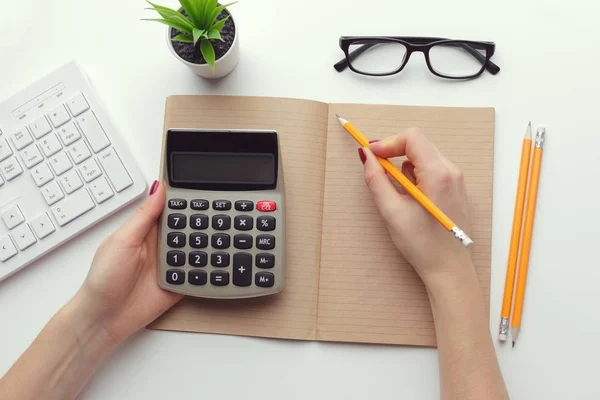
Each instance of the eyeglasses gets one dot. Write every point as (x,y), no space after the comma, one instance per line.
(446,58)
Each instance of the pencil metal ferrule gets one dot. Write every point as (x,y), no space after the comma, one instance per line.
(503,327)
(540,137)
(462,237)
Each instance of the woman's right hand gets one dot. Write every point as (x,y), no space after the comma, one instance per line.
(424,242)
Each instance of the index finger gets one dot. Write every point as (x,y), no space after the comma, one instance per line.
(410,143)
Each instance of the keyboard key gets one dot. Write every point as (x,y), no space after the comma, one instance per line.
(7,248)
(1,181)
(21,138)
(11,168)
(243,223)
(199,240)
(175,277)
(69,134)
(42,174)
(244,205)
(264,279)
(219,259)
(265,242)
(31,156)
(177,204)
(242,269)
(265,223)
(40,127)
(176,221)
(242,242)
(266,206)
(73,207)
(79,152)
(176,258)
(219,278)
(60,163)
(116,172)
(176,240)
(12,216)
(198,259)
(52,193)
(221,222)
(90,170)
(221,205)
(101,190)
(93,131)
(23,237)
(265,260)
(70,181)
(199,221)
(220,241)
(50,145)
(199,204)
(5,150)
(197,277)
(59,116)
(78,104)
(42,226)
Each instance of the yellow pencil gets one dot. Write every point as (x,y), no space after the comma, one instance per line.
(410,187)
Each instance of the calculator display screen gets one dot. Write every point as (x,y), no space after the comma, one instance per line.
(241,168)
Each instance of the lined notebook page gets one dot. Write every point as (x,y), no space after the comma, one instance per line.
(367,291)
(302,131)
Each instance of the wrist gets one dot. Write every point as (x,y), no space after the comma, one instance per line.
(453,278)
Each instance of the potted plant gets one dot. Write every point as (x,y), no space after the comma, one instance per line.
(203,35)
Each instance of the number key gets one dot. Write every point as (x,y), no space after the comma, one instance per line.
(175,276)
(198,259)
(175,258)
(176,239)
(199,221)
(221,222)
(219,259)
(176,221)
(220,241)
(199,240)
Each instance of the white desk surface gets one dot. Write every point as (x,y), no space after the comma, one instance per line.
(549,59)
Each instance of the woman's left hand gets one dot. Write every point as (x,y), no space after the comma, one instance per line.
(121,291)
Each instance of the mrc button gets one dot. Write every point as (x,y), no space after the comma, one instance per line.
(266,206)
(265,242)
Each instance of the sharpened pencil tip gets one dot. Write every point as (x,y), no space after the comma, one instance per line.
(528,131)
(513,344)
(337,116)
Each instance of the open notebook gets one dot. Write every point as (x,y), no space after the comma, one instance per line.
(345,280)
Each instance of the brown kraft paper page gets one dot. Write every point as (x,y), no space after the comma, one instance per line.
(301,126)
(367,291)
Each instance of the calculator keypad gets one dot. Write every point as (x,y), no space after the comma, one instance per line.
(242,241)
(243,223)
(265,223)
(242,269)
(220,241)
(176,239)
(199,240)
(199,204)
(198,259)
(199,221)
(265,242)
(176,221)
(244,205)
(221,222)
(176,258)
(219,259)
(221,205)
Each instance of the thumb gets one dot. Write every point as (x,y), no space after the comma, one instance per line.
(137,227)
(386,197)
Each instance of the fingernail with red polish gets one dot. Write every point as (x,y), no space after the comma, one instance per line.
(362,155)
(154,188)
(373,141)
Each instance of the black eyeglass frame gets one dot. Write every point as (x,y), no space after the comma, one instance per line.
(414,44)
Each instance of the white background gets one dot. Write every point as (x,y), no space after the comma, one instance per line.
(549,55)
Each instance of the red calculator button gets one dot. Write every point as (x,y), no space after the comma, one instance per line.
(266,206)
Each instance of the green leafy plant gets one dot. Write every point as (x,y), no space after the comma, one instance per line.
(201,25)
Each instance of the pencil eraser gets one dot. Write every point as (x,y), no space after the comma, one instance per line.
(467,242)
(503,337)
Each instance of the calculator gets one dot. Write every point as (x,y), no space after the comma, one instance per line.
(222,230)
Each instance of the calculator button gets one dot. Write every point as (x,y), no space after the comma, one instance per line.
(198,259)
(177,204)
(221,205)
(199,204)
(264,279)
(175,258)
(199,240)
(221,222)
(175,277)
(265,242)
(176,239)
(220,241)
(266,206)
(243,223)
(242,241)
(176,221)
(199,221)
(219,259)
(265,260)
(242,269)
(219,278)
(244,205)
(197,277)
(265,223)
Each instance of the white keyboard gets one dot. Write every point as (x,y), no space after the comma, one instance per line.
(63,167)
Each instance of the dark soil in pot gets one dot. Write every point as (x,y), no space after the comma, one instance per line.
(191,53)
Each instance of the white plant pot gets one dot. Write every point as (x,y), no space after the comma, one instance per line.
(223,66)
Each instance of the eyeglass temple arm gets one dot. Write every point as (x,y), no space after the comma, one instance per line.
(490,66)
